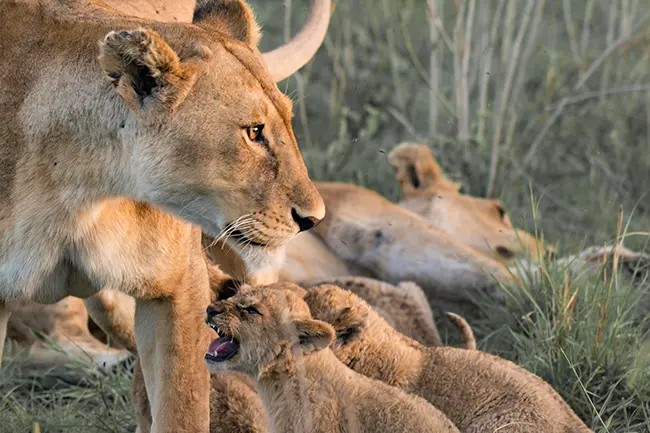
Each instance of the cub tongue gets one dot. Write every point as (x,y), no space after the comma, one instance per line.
(218,345)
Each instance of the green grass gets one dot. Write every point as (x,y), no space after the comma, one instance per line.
(588,339)
(81,401)
(368,89)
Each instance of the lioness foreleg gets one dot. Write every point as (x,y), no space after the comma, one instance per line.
(114,313)
(140,401)
(4,318)
(172,338)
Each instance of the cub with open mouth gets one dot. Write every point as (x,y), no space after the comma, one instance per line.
(268,333)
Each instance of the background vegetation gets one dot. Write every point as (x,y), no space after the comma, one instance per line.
(513,96)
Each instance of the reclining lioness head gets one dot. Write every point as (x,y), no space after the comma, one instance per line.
(478,222)
(262,329)
(209,133)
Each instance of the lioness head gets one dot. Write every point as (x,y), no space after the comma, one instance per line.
(262,329)
(478,222)
(207,132)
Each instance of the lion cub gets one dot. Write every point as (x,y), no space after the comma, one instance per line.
(405,307)
(269,334)
(479,392)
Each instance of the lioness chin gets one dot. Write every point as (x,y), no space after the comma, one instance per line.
(117,134)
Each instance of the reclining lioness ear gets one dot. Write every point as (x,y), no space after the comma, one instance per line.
(417,171)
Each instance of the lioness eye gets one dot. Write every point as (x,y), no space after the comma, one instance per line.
(252,310)
(255,133)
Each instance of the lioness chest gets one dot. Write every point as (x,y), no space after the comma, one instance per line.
(117,243)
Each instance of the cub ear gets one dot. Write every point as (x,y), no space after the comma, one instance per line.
(313,335)
(144,70)
(232,17)
(350,324)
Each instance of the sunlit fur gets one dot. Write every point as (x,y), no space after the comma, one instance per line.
(404,306)
(116,130)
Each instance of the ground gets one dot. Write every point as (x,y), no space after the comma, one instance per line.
(548,102)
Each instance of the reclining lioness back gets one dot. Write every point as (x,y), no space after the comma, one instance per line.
(269,334)
(477,391)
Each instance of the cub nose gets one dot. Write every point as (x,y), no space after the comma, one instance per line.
(213,310)
(304,222)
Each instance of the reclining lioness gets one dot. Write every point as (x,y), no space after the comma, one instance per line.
(269,334)
(479,392)
(116,128)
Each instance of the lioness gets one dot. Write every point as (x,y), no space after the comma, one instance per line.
(269,334)
(183,117)
(384,241)
(479,392)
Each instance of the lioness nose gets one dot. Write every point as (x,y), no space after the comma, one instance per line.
(304,222)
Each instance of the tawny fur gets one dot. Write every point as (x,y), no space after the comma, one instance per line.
(108,118)
(51,336)
(466,334)
(405,306)
(479,392)
(303,386)
(235,406)
(384,241)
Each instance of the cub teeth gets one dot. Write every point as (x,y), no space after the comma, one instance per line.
(217,330)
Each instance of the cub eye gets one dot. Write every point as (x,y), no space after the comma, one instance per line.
(502,211)
(255,133)
(252,310)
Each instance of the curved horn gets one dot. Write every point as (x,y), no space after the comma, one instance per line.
(288,58)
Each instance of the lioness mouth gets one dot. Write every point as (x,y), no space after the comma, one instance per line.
(237,235)
(223,348)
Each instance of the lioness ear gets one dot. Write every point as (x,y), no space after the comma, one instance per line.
(313,335)
(232,17)
(145,71)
